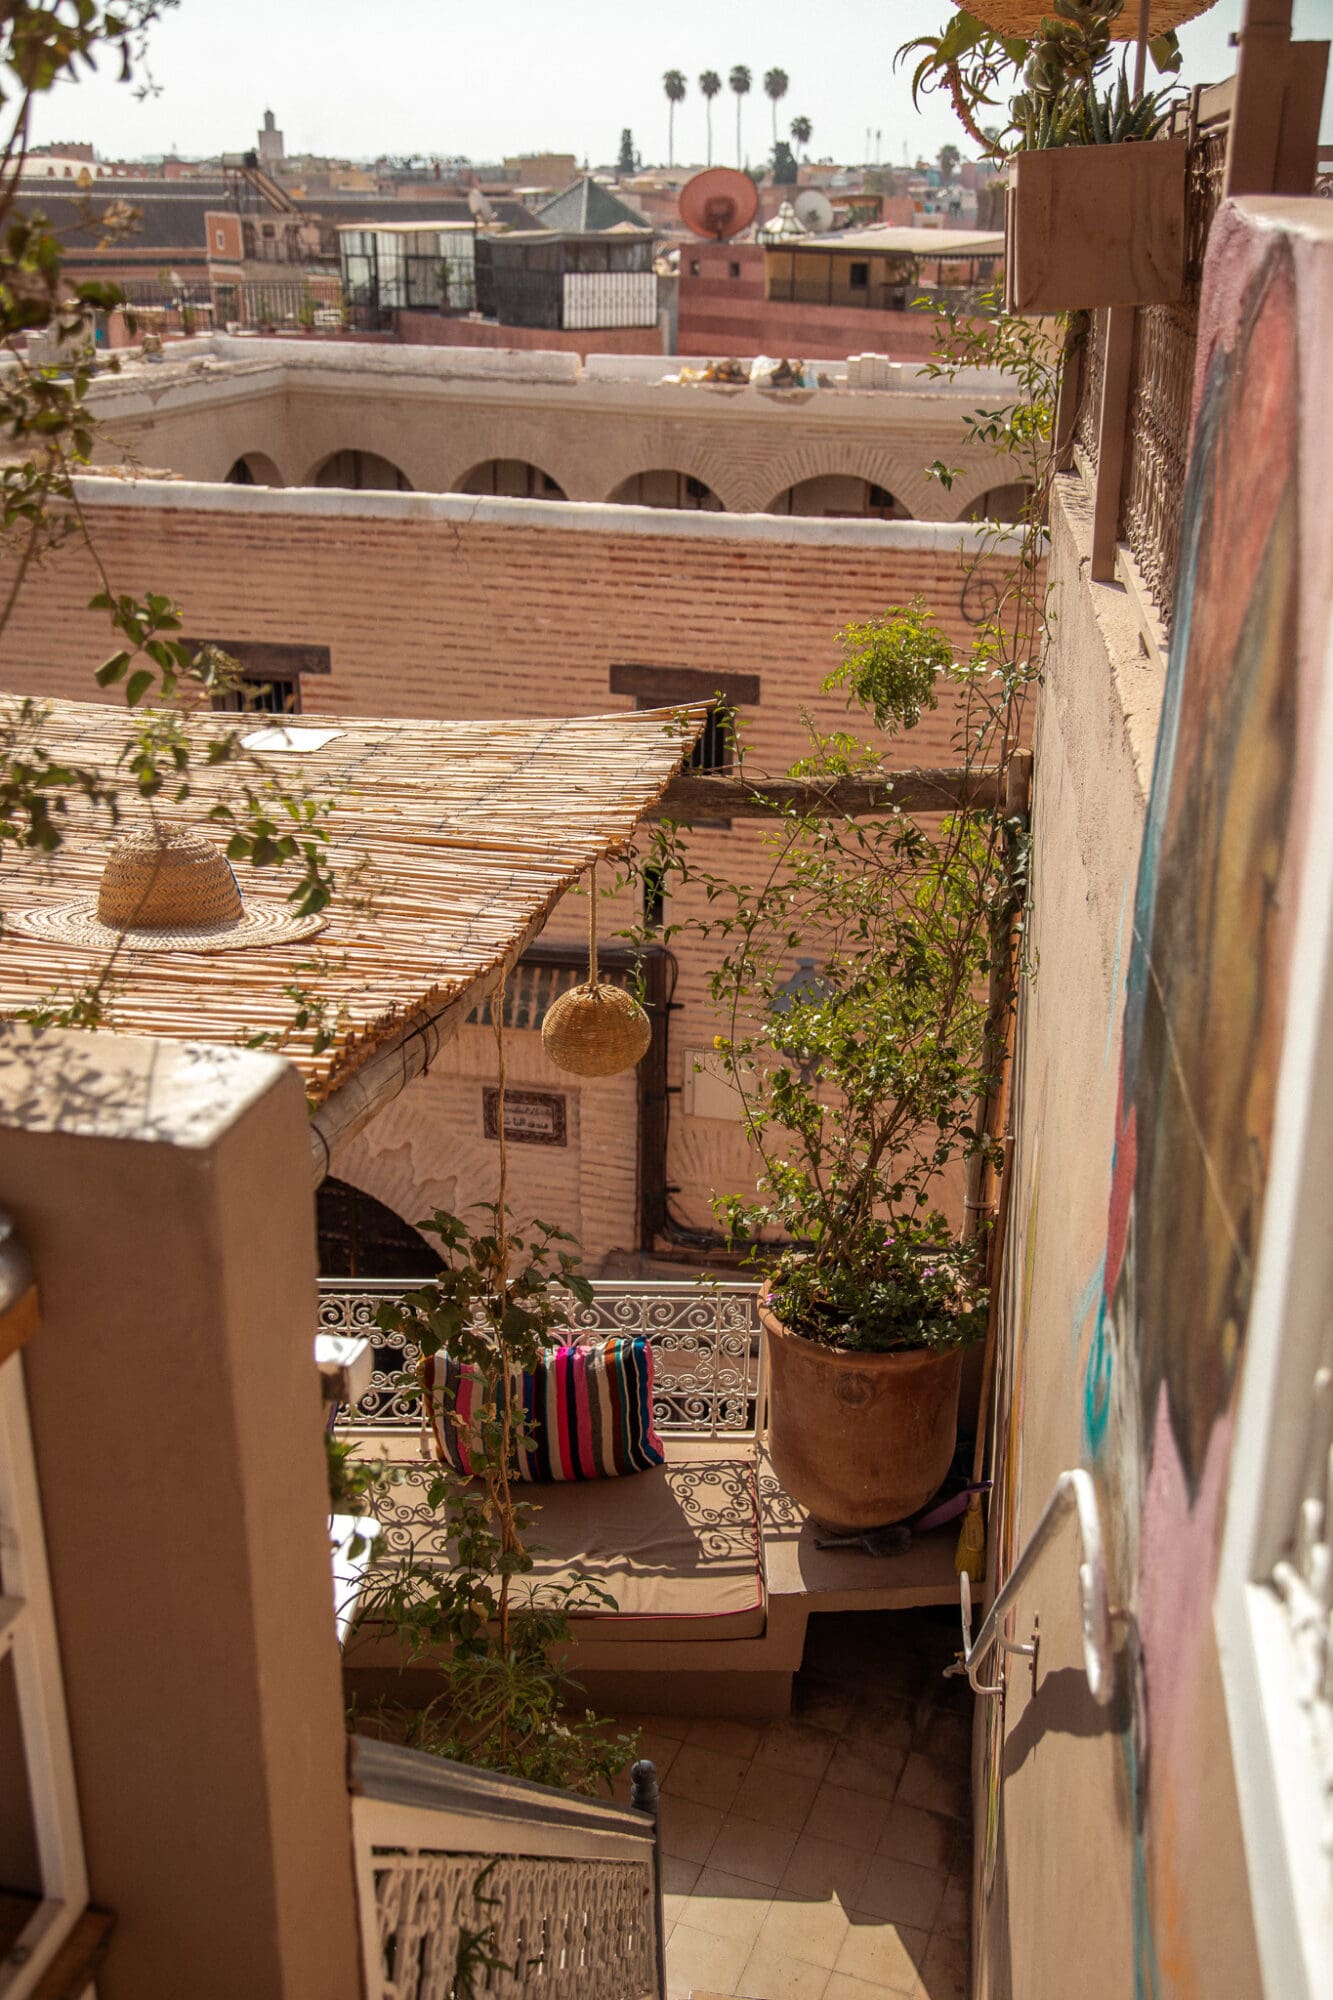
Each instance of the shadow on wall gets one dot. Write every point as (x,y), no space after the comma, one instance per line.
(360,471)
(510,479)
(839,496)
(661,488)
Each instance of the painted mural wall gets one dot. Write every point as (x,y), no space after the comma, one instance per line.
(1150,1044)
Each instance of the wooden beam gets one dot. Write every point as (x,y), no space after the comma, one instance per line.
(691,796)
(1114,416)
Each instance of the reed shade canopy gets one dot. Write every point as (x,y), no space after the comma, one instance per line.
(1022,19)
(452,840)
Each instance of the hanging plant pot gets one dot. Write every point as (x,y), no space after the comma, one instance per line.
(1089,226)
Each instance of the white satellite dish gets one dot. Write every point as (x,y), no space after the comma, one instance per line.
(814,210)
(481,208)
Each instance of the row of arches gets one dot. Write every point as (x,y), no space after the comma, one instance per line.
(829,495)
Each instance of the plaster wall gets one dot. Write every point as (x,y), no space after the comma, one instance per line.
(163,1192)
(436,413)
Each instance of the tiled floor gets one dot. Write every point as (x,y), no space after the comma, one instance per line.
(825,1857)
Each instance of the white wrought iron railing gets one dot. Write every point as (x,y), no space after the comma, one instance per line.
(705,1339)
(468,1881)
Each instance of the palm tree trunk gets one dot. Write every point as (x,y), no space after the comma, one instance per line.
(739,101)
(671,133)
(708,113)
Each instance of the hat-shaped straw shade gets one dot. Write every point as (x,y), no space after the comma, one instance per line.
(1023,18)
(178,881)
(165,889)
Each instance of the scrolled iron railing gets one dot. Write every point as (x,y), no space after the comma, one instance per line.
(705,1341)
(530,1890)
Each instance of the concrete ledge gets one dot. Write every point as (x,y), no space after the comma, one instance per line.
(554,516)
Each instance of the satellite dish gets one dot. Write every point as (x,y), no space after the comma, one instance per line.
(814,210)
(481,208)
(719,202)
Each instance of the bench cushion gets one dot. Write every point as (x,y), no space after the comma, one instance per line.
(678,1547)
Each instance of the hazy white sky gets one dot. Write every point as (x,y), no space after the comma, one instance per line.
(361,77)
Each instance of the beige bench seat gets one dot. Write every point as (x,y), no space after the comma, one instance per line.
(677,1548)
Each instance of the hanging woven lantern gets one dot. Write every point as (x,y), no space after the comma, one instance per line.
(596,1030)
(1023,18)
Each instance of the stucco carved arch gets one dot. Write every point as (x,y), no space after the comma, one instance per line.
(880,464)
(408,463)
(971,482)
(692,457)
(254,468)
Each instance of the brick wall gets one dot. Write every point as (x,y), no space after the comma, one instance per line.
(722,314)
(442,608)
(427,329)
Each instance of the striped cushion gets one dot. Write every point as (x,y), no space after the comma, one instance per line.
(588,1412)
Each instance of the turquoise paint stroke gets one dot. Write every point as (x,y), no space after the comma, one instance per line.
(1097,1384)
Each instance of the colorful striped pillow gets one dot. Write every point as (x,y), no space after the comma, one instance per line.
(588,1412)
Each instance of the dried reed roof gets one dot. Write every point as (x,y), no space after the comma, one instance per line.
(470,833)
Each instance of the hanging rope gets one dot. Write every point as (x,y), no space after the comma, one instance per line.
(593,980)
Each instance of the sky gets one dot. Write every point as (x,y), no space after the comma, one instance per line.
(360,78)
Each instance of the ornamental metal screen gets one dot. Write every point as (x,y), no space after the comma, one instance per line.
(705,1341)
(564,1929)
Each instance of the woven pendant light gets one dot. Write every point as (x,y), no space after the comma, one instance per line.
(1023,18)
(596,1030)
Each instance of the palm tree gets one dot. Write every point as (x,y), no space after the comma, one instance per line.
(740,83)
(775,86)
(710,83)
(801,128)
(673,83)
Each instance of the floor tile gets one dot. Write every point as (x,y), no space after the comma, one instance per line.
(780,1798)
(945,1737)
(708,1777)
(752,1849)
(719,1732)
(945,1970)
(678,1878)
(688,1830)
(901,1892)
(866,1766)
(811,1932)
(822,1703)
(822,1868)
(857,1819)
(889,1956)
(660,1751)
(934,1787)
(841,1986)
(797,1747)
(914,1835)
(771,1975)
(728,1906)
(699,1959)
(886,1721)
(954,1916)
(677,1727)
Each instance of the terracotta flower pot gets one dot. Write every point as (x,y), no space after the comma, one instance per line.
(859,1440)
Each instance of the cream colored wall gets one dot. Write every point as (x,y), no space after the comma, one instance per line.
(1057,1852)
(195,417)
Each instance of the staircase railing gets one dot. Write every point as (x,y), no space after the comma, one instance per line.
(1074,1496)
(469,1882)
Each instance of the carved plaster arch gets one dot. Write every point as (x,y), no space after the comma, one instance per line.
(363,450)
(876,463)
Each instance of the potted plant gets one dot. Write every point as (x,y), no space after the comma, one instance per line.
(1095,216)
(859,1072)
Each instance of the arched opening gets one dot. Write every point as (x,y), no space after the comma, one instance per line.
(360,1237)
(661,488)
(254,468)
(1002,503)
(361,471)
(841,496)
(510,479)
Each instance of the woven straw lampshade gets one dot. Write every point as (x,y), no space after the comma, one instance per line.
(1023,18)
(165,889)
(596,1030)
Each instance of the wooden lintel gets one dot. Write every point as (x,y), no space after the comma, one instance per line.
(692,796)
